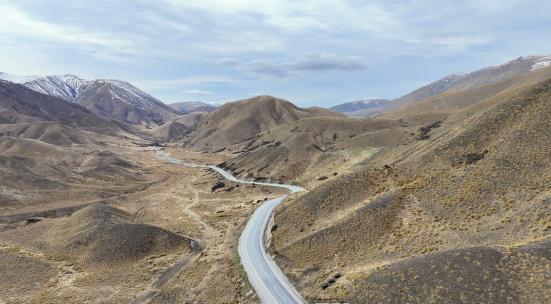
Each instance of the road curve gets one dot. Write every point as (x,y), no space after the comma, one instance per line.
(269,282)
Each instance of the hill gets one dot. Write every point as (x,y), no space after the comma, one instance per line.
(312,148)
(460,212)
(47,144)
(237,121)
(98,234)
(177,129)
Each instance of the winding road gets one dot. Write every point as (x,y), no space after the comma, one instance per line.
(269,282)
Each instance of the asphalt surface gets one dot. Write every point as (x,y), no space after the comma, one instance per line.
(267,279)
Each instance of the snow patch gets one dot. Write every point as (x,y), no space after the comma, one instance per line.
(541,62)
(67,86)
(446,82)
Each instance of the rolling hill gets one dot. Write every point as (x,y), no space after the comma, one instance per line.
(47,143)
(312,148)
(237,121)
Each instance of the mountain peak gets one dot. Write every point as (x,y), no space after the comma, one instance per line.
(66,86)
(120,100)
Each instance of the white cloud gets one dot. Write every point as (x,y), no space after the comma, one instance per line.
(197,92)
(305,15)
(453,41)
(14,22)
(280,68)
(182,82)
(168,43)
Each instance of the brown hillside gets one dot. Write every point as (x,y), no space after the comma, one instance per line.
(190,120)
(237,121)
(440,106)
(178,128)
(46,131)
(35,174)
(304,148)
(480,180)
(98,234)
(170,130)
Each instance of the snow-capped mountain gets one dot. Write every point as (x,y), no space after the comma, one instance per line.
(523,64)
(541,62)
(483,77)
(434,88)
(445,83)
(360,105)
(68,87)
(122,101)
(110,98)
(126,92)
(508,70)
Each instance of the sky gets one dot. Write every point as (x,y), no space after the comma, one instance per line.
(311,52)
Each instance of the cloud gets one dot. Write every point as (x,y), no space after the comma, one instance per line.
(182,82)
(281,68)
(196,92)
(171,46)
(16,23)
(453,41)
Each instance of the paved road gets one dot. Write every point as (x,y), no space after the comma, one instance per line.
(270,283)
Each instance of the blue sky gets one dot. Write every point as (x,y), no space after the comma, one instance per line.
(312,52)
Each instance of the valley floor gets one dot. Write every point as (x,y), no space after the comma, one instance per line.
(179,200)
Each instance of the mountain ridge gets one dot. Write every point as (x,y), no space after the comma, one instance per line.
(364,104)
(116,99)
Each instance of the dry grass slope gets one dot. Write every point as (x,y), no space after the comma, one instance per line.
(288,152)
(98,234)
(482,181)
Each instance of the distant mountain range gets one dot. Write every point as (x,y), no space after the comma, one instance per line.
(451,83)
(193,106)
(360,106)
(110,98)
(124,102)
